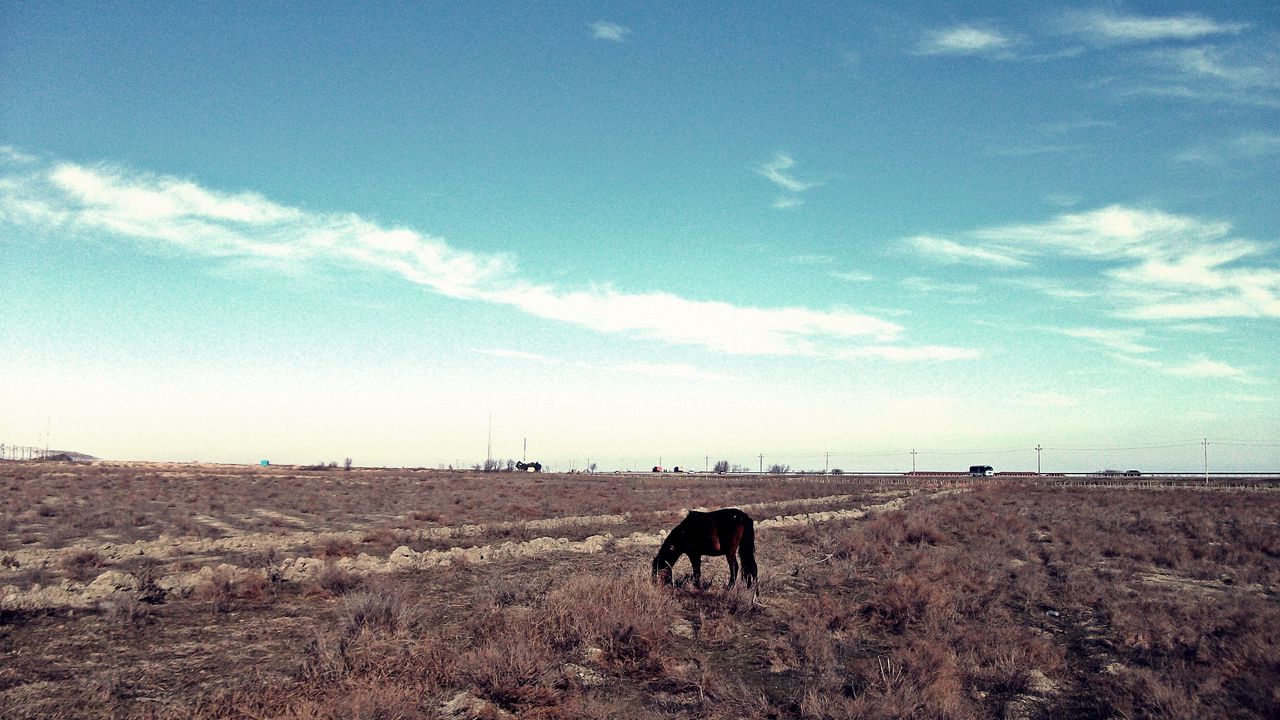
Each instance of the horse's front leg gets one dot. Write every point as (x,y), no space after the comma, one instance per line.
(696,562)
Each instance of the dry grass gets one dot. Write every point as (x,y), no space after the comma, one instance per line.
(1001,602)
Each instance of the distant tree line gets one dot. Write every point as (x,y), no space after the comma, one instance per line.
(331,465)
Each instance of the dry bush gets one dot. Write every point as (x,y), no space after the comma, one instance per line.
(627,617)
(224,587)
(514,668)
(379,608)
(335,580)
(127,609)
(82,564)
(335,546)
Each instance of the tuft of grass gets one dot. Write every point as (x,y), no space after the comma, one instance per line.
(335,580)
(380,608)
(128,610)
(82,564)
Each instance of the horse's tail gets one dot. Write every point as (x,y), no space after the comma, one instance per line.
(747,550)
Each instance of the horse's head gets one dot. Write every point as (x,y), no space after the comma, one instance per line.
(664,560)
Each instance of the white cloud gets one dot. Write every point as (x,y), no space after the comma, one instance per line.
(670,371)
(1151,265)
(927,285)
(10,154)
(810,259)
(1256,144)
(853,276)
(950,252)
(1197,367)
(514,354)
(1107,26)
(1205,368)
(180,215)
(915,354)
(1239,74)
(612,32)
(963,40)
(774,171)
(1120,340)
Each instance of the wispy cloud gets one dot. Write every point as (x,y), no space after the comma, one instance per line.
(1111,27)
(1203,367)
(951,252)
(1196,367)
(853,276)
(13,156)
(602,30)
(670,371)
(810,259)
(936,353)
(964,40)
(1246,146)
(176,214)
(1152,265)
(1125,340)
(1064,199)
(514,354)
(919,284)
(1241,73)
(775,172)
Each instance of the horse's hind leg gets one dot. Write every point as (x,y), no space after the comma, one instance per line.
(749,570)
(733,568)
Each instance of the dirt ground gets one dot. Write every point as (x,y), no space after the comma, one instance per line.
(399,594)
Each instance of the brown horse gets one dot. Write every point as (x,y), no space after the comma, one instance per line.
(725,532)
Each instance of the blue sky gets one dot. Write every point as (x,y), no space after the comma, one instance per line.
(642,231)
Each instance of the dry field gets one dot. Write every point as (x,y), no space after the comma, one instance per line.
(180,591)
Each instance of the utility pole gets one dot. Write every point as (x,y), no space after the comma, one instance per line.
(1038,449)
(913,459)
(826,468)
(1205,443)
(706,463)
(762,463)
(488,453)
(524,454)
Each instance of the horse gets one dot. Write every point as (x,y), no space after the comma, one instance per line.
(720,532)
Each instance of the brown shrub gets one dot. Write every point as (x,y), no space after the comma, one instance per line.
(81,564)
(126,609)
(334,546)
(517,670)
(335,580)
(627,617)
(379,608)
(223,588)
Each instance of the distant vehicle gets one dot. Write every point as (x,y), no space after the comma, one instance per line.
(981,470)
(1132,473)
(658,468)
(534,466)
